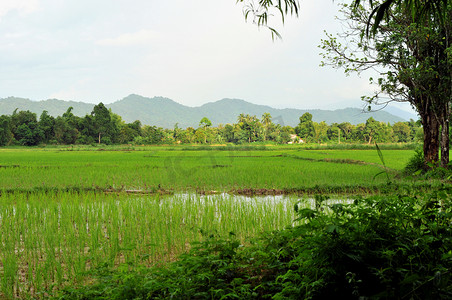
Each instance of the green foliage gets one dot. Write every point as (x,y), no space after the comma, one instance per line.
(249,129)
(205,123)
(418,168)
(416,165)
(164,112)
(5,130)
(305,128)
(64,132)
(150,135)
(261,11)
(25,129)
(117,285)
(104,126)
(209,272)
(391,247)
(375,131)
(415,59)
(46,125)
(383,248)
(402,132)
(421,11)
(385,169)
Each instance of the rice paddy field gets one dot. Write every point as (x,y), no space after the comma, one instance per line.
(64,211)
(180,170)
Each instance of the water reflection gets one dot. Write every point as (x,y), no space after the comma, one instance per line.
(286,201)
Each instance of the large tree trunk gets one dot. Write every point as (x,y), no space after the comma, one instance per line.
(445,136)
(445,145)
(431,138)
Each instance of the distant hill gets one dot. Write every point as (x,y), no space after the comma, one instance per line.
(53,106)
(164,112)
(402,113)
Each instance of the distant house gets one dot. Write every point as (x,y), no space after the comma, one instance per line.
(294,139)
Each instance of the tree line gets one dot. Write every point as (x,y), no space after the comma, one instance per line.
(103,126)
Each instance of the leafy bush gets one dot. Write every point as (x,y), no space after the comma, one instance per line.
(416,163)
(391,247)
(416,166)
(381,248)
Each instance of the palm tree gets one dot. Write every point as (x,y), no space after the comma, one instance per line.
(260,12)
(242,118)
(266,120)
(205,123)
(421,10)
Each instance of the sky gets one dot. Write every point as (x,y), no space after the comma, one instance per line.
(191,51)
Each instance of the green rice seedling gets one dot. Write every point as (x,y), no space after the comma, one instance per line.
(9,278)
(51,239)
(207,170)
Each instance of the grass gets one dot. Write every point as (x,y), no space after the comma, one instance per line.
(51,239)
(196,170)
(65,211)
(379,247)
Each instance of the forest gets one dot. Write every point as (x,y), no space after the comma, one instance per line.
(103,126)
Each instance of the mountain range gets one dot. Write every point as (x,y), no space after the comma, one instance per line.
(164,112)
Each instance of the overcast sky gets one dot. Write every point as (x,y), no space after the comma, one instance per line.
(192,51)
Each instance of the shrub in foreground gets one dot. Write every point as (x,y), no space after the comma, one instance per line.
(417,167)
(391,247)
